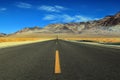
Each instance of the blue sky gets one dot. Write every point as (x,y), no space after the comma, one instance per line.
(17,14)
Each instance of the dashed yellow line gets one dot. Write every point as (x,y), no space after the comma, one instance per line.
(57,63)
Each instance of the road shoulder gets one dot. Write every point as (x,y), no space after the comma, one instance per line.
(96,44)
(12,44)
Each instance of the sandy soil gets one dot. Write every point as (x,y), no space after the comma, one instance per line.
(26,38)
(10,44)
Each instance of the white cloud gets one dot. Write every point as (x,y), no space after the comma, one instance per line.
(23,5)
(67,18)
(3,9)
(79,18)
(55,8)
(49,17)
(60,7)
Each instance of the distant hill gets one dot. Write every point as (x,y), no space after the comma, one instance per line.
(107,22)
(28,29)
(108,26)
(2,34)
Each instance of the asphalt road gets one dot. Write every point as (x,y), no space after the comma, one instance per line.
(77,61)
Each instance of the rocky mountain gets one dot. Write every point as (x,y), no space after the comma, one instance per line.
(108,25)
(2,34)
(104,24)
(28,29)
(111,20)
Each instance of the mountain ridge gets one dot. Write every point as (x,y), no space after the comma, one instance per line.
(108,25)
(108,21)
(2,34)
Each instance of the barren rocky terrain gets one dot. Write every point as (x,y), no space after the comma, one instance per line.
(109,26)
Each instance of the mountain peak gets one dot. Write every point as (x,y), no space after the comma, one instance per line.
(79,27)
(2,34)
(26,29)
(117,15)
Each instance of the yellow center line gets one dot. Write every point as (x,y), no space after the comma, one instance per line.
(57,63)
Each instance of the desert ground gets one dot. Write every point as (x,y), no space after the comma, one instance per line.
(14,40)
(36,37)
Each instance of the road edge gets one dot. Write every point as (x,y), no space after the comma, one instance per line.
(21,43)
(96,44)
